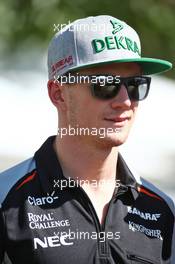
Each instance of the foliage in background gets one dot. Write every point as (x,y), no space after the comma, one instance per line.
(28,24)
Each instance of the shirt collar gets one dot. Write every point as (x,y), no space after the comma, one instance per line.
(50,171)
(127,182)
(48,166)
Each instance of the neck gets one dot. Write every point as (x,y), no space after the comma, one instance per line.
(82,161)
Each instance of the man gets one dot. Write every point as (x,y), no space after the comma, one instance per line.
(76,200)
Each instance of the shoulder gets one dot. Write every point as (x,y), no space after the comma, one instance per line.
(160,193)
(10,177)
(166,204)
(149,188)
(154,191)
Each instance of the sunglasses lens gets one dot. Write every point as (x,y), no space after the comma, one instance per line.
(106,91)
(137,88)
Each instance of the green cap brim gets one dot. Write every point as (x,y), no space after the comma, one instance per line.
(149,65)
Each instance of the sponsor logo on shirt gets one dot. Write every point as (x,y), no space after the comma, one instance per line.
(52,241)
(49,199)
(144,215)
(46,221)
(149,232)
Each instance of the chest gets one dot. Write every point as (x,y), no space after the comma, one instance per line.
(59,228)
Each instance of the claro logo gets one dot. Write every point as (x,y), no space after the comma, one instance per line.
(49,199)
(53,241)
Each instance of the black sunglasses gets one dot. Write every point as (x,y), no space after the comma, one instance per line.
(105,86)
(137,86)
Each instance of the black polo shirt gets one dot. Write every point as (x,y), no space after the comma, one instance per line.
(49,219)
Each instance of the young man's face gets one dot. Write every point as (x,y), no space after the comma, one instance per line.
(114,115)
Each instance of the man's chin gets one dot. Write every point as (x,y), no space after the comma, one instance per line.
(118,142)
(113,140)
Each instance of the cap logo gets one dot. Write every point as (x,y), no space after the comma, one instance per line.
(59,65)
(114,42)
(116,26)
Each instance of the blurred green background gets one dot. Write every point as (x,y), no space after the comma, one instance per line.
(29,24)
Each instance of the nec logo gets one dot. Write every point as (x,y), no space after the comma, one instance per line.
(53,241)
(49,199)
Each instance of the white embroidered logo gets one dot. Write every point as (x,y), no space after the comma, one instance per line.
(49,199)
(144,215)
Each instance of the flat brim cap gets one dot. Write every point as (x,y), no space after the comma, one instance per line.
(94,41)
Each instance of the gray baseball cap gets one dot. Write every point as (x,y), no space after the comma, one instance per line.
(98,40)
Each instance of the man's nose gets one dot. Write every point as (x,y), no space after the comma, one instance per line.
(121,99)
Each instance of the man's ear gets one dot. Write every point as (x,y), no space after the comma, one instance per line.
(56,94)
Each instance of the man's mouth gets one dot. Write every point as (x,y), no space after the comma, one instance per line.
(118,121)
